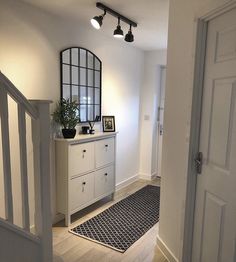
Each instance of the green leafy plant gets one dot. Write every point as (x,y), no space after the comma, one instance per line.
(66,114)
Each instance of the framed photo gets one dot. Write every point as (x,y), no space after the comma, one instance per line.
(108,124)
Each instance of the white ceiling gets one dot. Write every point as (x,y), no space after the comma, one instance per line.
(151,16)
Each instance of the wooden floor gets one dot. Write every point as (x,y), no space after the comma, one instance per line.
(71,248)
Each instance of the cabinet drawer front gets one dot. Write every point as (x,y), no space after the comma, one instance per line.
(81,190)
(105,152)
(104,181)
(81,158)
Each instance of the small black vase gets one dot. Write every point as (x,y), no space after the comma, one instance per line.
(68,133)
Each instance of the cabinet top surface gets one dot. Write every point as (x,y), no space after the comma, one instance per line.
(82,138)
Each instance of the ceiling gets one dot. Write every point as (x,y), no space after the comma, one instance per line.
(151,16)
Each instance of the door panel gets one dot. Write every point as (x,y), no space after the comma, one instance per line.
(225,44)
(215,207)
(223,100)
(212,226)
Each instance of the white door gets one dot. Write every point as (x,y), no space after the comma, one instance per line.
(161,118)
(215,209)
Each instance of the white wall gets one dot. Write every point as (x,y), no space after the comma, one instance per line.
(180,65)
(31,40)
(148,109)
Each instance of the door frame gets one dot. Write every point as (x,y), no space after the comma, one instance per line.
(198,82)
(158,153)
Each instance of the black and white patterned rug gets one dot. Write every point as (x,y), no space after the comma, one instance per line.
(122,224)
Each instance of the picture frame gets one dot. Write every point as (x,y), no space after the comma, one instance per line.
(108,123)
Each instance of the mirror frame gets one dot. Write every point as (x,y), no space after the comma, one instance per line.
(79,85)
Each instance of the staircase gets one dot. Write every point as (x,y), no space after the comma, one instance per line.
(19,243)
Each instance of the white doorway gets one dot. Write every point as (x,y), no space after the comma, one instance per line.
(214,135)
(160,117)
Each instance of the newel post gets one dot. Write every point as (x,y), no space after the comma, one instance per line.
(41,144)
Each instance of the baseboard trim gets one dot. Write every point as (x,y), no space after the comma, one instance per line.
(126,182)
(57,218)
(165,250)
(148,177)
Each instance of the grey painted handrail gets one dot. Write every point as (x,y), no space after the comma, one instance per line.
(17,96)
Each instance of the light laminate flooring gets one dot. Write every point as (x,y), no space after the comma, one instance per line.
(70,248)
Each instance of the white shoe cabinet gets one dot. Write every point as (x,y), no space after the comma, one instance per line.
(85,171)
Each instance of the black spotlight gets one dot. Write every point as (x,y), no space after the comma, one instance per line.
(129,37)
(97,21)
(118,33)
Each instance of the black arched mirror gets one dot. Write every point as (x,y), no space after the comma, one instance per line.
(81,72)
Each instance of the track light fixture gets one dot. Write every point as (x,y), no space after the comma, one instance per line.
(118,33)
(97,21)
(129,37)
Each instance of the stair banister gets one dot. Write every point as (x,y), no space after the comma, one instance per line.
(38,110)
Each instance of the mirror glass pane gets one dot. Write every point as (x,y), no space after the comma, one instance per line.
(97,96)
(75,75)
(90,77)
(82,76)
(90,113)
(66,57)
(83,114)
(83,57)
(83,95)
(75,94)
(97,79)
(66,92)
(74,56)
(90,60)
(90,95)
(97,64)
(66,74)
(97,111)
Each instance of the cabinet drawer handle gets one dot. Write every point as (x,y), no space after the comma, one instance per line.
(105,174)
(84,151)
(84,183)
(106,145)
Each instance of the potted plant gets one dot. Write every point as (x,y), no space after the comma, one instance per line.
(66,114)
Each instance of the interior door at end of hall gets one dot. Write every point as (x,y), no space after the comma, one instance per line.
(214,238)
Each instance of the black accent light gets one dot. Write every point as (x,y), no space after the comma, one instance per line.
(118,33)
(97,21)
(129,37)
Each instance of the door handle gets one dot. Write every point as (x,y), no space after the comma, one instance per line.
(161,130)
(198,162)
(84,151)
(83,184)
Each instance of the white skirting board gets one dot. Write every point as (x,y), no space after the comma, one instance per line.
(127,182)
(148,177)
(57,218)
(165,250)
